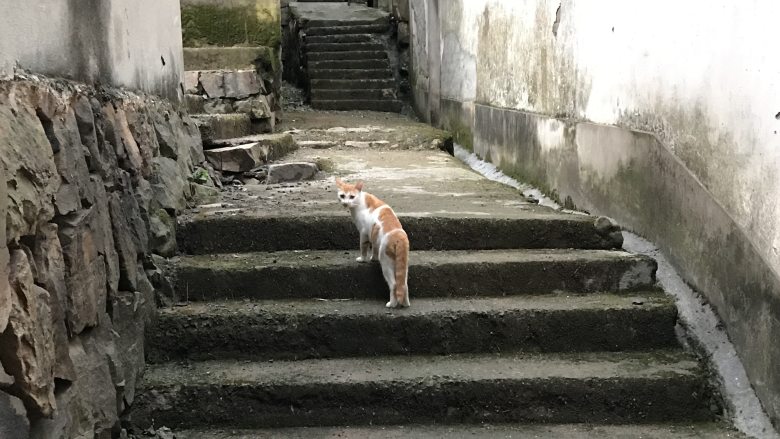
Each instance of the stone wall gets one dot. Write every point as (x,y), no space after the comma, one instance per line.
(91,184)
(562,94)
(129,43)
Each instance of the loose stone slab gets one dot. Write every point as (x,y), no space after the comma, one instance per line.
(240,158)
(295,171)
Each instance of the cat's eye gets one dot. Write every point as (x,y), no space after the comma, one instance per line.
(341,196)
(351,197)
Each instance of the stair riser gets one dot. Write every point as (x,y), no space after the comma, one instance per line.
(326,56)
(677,398)
(240,234)
(350,64)
(347,38)
(353,94)
(344,47)
(312,24)
(297,336)
(341,30)
(351,74)
(439,280)
(352,105)
(354,84)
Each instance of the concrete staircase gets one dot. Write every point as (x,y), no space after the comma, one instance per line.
(345,56)
(521,316)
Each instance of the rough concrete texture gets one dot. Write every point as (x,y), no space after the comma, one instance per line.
(443,205)
(704,331)
(401,132)
(653,386)
(315,328)
(79,180)
(573,62)
(485,431)
(239,158)
(128,43)
(228,58)
(322,14)
(334,274)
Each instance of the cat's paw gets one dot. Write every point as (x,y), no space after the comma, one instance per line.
(360,259)
(391,304)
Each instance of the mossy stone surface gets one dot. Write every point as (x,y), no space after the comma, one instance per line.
(206,25)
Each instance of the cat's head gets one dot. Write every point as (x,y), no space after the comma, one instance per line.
(349,194)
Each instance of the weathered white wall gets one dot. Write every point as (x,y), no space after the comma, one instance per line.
(116,42)
(698,74)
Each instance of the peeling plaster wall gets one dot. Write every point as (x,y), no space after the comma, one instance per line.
(519,81)
(128,43)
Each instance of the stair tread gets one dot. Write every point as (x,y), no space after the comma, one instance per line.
(429,369)
(484,431)
(332,258)
(423,307)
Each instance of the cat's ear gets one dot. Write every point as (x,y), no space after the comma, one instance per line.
(339,183)
(359,186)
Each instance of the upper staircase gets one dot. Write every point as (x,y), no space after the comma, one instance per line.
(344,56)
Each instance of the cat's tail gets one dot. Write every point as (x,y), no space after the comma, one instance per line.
(401,250)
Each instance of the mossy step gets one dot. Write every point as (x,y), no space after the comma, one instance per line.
(310,24)
(227,58)
(386,94)
(316,329)
(332,229)
(711,430)
(615,388)
(383,73)
(348,29)
(393,106)
(344,47)
(336,274)
(360,54)
(351,84)
(350,64)
(220,126)
(344,38)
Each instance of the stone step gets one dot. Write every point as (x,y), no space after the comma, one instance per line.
(351,84)
(356,104)
(369,94)
(333,230)
(220,126)
(361,54)
(348,29)
(344,47)
(614,388)
(350,64)
(711,430)
(336,274)
(383,21)
(341,38)
(317,329)
(385,73)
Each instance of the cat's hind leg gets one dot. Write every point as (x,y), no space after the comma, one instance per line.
(388,271)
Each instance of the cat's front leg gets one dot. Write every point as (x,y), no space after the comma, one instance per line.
(364,248)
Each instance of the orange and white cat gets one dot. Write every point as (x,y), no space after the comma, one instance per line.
(381,234)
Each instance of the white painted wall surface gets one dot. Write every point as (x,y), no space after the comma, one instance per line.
(701,74)
(118,42)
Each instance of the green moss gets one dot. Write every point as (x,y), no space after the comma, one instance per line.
(211,25)
(461,134)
